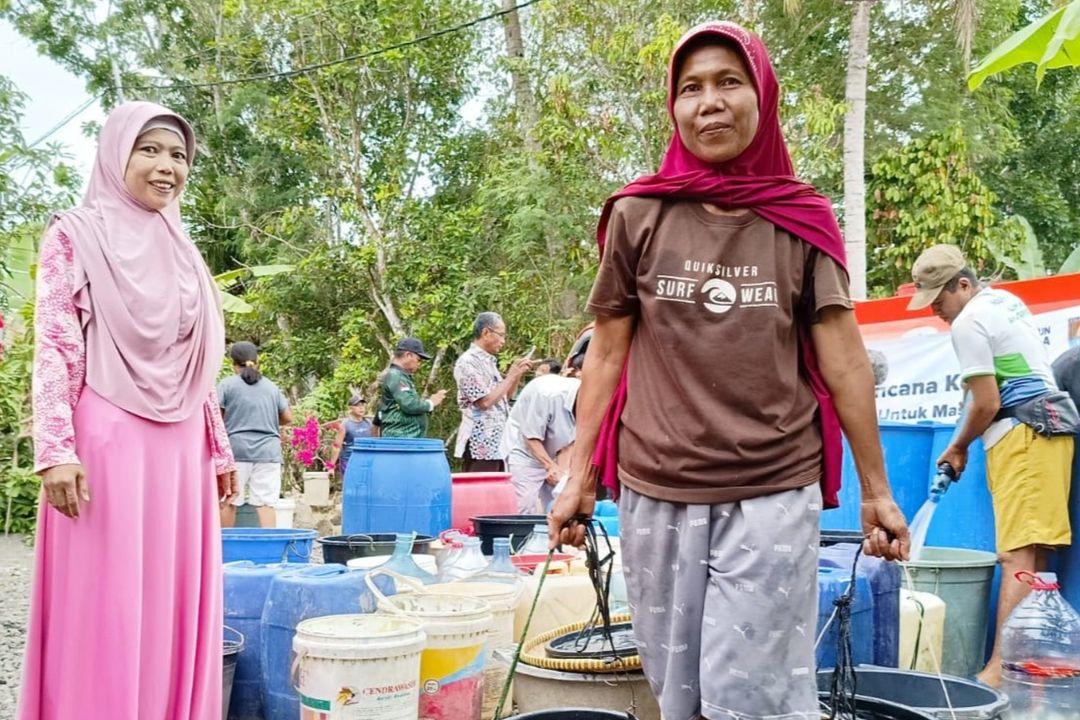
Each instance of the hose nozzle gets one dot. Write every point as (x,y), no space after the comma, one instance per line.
(945,477)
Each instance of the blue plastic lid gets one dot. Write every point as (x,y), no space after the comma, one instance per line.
(398,444)
(267,534)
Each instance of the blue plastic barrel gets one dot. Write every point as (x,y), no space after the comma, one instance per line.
(1069,558)
(607,514)
(833,583)
(267,545)
(907,461)
(396,485)
(295,596)
(246,587)
(885,584)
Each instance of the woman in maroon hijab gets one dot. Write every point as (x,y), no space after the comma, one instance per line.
(725,359)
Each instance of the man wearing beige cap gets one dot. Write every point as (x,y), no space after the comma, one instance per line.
(1005,370)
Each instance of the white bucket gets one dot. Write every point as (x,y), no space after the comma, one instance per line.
(504,599)
(284,510)
(452,664)
(317,488)
(426,562)
(358,667)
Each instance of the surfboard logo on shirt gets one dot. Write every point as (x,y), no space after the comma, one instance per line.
(720,295)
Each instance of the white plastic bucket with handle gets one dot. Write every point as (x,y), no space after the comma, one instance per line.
(456,652)
(504,599)
(358,667)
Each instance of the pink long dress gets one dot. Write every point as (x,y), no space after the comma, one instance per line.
(126,613)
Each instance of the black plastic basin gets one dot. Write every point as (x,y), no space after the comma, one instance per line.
(515,527)
(341,549)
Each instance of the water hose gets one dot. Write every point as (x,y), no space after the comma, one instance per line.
(521,641)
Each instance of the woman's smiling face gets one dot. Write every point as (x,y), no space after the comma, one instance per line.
(157,168)
(716,103)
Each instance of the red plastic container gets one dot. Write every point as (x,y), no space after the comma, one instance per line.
(482,493)
(529,563)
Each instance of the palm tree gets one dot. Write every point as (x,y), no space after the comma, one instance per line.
(855,147)
(855,129)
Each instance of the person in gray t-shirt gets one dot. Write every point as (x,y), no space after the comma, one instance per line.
(254,410)
(541,424)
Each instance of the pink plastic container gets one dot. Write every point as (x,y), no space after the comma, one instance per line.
(488,493)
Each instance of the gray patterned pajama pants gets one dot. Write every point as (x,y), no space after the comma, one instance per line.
(724,603)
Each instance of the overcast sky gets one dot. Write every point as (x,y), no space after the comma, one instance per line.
(53,93)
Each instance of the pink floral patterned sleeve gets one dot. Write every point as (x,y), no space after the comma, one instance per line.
(60,365)
(220,448)
(59,355)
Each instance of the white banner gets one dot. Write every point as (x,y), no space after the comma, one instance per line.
(918,376)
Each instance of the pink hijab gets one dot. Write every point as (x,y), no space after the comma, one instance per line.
(760,178)
(150,311)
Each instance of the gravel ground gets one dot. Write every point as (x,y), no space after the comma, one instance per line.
(16,560)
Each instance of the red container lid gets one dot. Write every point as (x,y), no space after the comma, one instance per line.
(480,477)
(530,562)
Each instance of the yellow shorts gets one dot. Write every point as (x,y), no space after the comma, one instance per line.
(1029,476)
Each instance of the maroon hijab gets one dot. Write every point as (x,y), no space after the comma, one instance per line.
(762,179)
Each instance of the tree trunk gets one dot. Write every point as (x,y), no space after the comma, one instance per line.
(519,79)
(854,148)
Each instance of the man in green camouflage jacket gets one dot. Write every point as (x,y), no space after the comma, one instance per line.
(402,412)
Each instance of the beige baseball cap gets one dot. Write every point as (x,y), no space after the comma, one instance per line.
(935,267)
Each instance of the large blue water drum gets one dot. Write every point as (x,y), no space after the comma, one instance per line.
(267,545)
(885,584)
(396,485)
(246,587)
(295,596)
(1069,558)
(907,460)
(832,584)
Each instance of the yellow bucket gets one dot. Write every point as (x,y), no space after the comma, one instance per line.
(504,599)
(452,663)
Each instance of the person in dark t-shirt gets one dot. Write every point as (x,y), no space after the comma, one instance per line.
(724,360)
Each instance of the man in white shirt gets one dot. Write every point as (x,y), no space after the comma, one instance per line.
(1003,365)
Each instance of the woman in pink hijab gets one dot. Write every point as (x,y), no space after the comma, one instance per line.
(724,362)
(126,614)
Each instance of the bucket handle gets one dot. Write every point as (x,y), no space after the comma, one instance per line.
(241,641)
(294,671)
(349,539)
(381,600)
(292,547)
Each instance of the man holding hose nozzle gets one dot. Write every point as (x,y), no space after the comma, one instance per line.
(1026,423)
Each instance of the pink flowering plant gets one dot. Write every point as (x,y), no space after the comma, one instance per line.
(312,442)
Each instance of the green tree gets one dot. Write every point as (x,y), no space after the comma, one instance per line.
(923,195)
(34,181)
(412,188)
(1036,177)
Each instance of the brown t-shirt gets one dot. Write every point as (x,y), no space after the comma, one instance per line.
(717,410)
